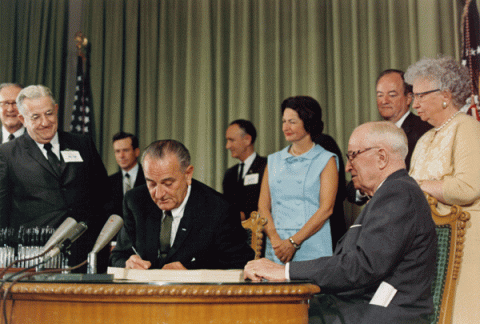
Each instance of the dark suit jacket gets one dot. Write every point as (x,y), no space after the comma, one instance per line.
(414,127)
(1,134)
(244,198)
(116,189)
(31,194)
(210,235)
(392,240)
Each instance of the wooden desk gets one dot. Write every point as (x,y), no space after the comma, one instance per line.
(119,303)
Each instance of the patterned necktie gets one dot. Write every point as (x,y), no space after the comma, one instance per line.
(11,137)
(52,158)
(240,173)
(165,233)
(128,183)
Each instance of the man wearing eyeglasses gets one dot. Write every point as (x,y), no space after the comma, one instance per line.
(12,127)
(394,97)
(47,175)
(382,268)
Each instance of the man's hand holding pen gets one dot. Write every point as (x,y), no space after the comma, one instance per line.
(136,262)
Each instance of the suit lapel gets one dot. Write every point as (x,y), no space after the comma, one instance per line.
(152,235)
(191,215)
(256,165)
(70,142)
(407,123)
(33,150)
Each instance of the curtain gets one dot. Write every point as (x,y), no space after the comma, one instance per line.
(33,43)
(184,69)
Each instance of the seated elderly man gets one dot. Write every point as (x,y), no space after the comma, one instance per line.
(389,251)
(176,222)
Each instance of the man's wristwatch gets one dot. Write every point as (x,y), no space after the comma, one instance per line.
(295,245)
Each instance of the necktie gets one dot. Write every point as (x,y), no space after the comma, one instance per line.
(52,158)
(128,184)
(240,173)
(11,137)
(165,233)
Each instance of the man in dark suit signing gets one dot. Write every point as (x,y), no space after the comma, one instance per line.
(390,250)
(241,183)
(394,97)
(125,147)
(176,222)
(47,175)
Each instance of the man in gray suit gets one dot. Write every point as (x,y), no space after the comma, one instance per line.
(12,127)
(389,251)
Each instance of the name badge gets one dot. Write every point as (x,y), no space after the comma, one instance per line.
(250,179)
(71,156)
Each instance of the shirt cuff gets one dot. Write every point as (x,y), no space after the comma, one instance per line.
(287,271)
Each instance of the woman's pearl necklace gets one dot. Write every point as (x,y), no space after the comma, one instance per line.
(295,154)
(449,120)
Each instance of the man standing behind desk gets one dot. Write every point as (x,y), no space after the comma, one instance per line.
(176,222)
(12,127)
(48,175)
(389,250)
(241,183)
(125,147)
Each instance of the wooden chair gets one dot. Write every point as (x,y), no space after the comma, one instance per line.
(451,236)
(254,227)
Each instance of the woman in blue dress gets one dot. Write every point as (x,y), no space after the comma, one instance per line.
(299,187)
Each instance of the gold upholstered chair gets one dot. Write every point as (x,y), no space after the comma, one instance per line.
(451,230)
(254,227)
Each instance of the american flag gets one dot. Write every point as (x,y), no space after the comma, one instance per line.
(82,122)
(471,51)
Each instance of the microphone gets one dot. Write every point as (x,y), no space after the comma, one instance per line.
(70,237)
(60,233)
(109,230)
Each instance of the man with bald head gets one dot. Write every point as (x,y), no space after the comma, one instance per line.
(12,126)
(390,250)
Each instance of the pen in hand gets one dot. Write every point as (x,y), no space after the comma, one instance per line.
(134,250)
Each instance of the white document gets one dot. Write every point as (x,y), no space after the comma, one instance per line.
(250,179)
(71,156)
(384,294)
(211,276)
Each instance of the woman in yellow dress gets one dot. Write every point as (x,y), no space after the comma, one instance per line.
(446,162)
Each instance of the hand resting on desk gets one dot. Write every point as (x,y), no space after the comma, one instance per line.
(257,270)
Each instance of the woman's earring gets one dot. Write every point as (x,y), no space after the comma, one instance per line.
(444,105)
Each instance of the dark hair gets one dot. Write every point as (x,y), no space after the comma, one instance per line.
(309,111)
(122,135)
(407,88)
(159,149)
(247,127)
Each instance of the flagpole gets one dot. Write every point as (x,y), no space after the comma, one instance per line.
(82,121)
